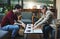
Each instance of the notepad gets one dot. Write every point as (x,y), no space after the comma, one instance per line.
(38,31)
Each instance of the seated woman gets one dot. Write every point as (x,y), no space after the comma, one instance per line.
(35,13)
(46,21)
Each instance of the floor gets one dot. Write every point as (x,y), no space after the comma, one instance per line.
(19,37)
(22,37)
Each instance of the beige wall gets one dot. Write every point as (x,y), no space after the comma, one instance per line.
(58,8)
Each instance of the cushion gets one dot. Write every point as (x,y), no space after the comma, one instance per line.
(3,33)
(26,20)
(26,15)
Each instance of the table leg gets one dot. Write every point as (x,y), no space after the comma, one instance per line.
(25,36)
(41,36)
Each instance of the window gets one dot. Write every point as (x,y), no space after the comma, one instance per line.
(14,2)
(28,4)
(1,9)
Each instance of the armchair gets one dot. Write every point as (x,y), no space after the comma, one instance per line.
(27,17)
(58,29)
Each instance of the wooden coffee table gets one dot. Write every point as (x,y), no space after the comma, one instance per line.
(29,33)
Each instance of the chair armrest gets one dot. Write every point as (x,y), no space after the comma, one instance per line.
(57,24)
(19,17)
(32,19)
(21,31)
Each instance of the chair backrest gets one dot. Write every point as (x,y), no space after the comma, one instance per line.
(26,15)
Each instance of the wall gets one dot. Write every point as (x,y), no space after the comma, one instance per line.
(58,8)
